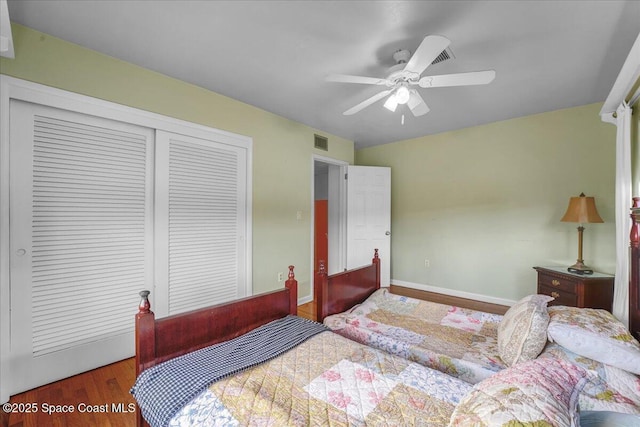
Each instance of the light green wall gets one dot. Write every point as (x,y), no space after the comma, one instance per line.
(282,149)
(483,204)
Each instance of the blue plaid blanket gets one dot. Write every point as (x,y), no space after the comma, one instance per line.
(161,391)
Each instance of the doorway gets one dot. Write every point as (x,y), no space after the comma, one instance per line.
(328,212)
(353,216)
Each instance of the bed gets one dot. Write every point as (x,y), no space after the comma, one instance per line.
(325,379)
(458,341)
(466,344)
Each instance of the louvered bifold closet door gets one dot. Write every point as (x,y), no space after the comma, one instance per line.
(201,221)
(80,230)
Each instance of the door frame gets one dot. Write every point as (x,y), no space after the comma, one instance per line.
(337,190)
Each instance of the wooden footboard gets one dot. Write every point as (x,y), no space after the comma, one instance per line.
(163,339)
(339,292)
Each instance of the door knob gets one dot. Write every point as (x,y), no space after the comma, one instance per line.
(387,233)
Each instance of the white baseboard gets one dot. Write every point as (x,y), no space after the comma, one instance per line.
(454,293)
(305,300)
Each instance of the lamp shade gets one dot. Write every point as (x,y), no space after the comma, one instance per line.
(582,209)
(391,103)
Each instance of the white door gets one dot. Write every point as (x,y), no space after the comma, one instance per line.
(80,221)
(369,218)
(201,223)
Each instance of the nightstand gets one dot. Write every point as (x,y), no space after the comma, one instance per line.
(576,290)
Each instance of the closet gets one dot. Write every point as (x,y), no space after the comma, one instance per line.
(105,201)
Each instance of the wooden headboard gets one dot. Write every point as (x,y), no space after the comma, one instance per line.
(341,291)
(634,270)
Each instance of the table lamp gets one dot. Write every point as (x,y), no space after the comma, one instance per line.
(582,210)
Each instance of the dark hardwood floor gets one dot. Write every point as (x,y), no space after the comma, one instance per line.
(308,310)
(95,398)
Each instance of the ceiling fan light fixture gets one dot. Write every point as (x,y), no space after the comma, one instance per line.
(391,103)
(402,95)
(406,74)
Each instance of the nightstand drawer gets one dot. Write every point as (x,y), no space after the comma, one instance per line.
(578,290)
(557,283)
(561,297)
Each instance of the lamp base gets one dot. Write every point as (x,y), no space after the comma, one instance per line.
(580,268)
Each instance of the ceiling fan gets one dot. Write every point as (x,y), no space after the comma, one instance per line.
(406,75)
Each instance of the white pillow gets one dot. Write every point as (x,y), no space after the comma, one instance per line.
(595,334)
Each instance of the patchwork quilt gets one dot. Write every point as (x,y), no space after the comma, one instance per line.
(328,380)
(608,388)
(457,341)
(164,389)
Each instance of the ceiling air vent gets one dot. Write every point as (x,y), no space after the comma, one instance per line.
(320,142)
(444,56)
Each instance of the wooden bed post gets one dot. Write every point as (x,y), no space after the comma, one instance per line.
(320,290)
(292,285)
(376,262)
(145,342)
(145,334)
(634,270)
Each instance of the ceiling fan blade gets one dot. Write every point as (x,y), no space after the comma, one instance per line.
(367,102)
(429,49)
(459,79)
(417,105)
(345,78)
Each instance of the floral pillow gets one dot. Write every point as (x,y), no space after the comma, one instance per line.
(522,333)
(595,334)
(539,392)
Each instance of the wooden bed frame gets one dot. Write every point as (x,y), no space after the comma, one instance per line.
(163,339)
(341,291)
(634,270)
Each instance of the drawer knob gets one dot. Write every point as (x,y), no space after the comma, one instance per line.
(555,294)
(555,282)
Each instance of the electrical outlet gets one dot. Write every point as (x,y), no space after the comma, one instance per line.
(280,277)
(427,263)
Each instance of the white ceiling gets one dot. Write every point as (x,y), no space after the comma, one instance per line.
(275,55)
